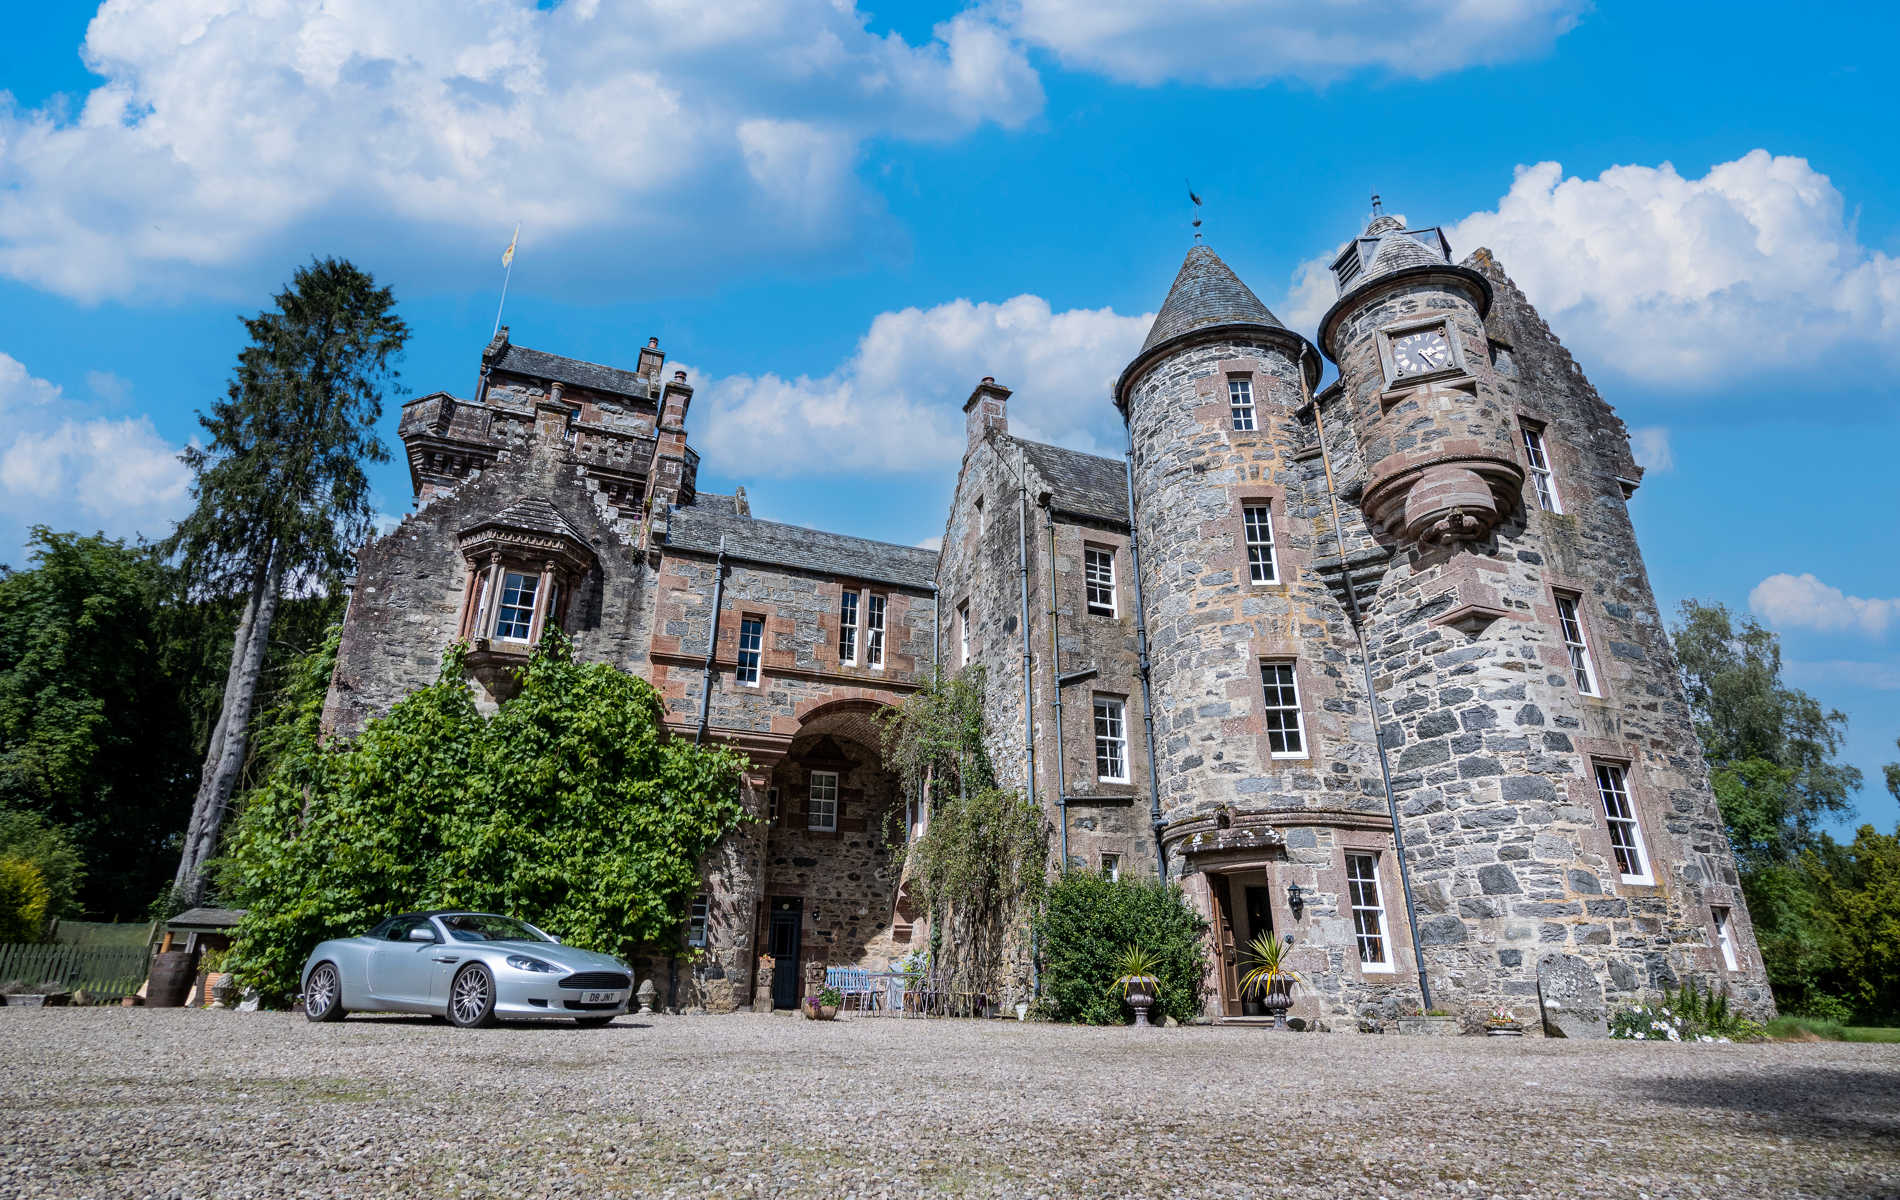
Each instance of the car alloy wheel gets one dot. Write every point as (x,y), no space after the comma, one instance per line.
(323,995)
(471,998)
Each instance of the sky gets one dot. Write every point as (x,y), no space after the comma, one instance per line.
(838,219)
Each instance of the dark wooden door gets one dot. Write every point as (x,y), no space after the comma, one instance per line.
(788,920)
(1224,948)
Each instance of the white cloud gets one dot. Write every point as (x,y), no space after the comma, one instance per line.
(896,404)
(1650,444)
(81,473)
(1804,602)
(933,542)
(1228,44)
(1692,282)
(228,131)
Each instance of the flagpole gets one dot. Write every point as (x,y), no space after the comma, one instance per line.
(507,271)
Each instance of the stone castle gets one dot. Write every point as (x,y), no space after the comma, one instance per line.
(1377,668)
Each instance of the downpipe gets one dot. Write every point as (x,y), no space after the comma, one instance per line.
(712,644)
(1055,673)
(1141,658)
(1029,702)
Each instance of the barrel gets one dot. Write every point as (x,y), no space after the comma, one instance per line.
(173,973)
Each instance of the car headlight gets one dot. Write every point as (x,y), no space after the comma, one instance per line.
(522,962)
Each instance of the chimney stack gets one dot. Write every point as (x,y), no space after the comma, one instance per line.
(985,410)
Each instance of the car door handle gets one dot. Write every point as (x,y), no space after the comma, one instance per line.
(451,958)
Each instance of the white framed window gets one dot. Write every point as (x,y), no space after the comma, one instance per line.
(1286,733)
(751,649)
(515,617)
(848,627)
(963,634)
(1098,571)
(1240,403)
(873,630)
(821,812)
(1262,566)
(696,920)
(1111,740)
(1626,833)
(1725,938)
(1581,668)
(1368,911)
(1542,479)
(1112,866)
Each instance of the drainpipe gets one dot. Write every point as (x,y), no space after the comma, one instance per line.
(1141,656)
(712,643)
(1055,673)
(1022,571)
(1372,699)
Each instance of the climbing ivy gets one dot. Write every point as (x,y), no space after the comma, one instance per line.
(568,808)
(981,864)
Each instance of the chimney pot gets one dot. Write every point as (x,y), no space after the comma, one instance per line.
(653,342)
(679,377)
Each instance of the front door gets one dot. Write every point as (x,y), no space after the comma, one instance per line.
(788,921)
(1224,948)
(1259,921)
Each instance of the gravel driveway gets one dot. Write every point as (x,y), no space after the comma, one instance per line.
(124,1103)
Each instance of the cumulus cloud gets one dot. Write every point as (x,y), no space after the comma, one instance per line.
(1137,41)
(1691,282)
(1804,602)
(896,404)
(62,468)
(1650,444)
(223,132)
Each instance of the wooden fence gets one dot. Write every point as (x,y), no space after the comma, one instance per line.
(107,972)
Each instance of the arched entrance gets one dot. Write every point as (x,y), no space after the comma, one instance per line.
(830,876)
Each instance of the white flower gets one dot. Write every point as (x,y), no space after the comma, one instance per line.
(1639,1035)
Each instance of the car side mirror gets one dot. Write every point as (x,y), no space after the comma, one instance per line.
(422,933)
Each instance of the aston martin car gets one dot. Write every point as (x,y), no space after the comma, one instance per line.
(467,967)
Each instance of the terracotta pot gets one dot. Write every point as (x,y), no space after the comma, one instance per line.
(820,1012)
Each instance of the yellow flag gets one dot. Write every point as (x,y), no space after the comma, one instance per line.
(508,255)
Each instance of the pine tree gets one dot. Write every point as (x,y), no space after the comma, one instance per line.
(282,496)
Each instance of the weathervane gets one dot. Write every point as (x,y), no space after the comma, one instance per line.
(1197,210)
(1378,209)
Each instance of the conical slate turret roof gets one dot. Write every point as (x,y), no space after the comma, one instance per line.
(1207,292)
(1397,252)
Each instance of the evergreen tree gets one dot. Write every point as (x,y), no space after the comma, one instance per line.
(282,496)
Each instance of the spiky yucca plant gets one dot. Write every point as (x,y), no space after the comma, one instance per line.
(1268,956)
(1135,964)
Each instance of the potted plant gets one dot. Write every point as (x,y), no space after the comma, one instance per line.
(1270,976)
(1135,976)
(220,984)
(1503,1023)
(823,1006)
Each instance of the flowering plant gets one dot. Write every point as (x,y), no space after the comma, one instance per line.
(1501,1018)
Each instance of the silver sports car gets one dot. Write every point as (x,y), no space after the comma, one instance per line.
(466,966)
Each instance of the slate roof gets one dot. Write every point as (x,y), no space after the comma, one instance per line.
(541,365)
(1207,292)
(206,918)
(1397,252)
(1083,483)
(699,528)
(535,514)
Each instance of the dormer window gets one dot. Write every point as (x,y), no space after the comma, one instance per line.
(522,566)
(515,619)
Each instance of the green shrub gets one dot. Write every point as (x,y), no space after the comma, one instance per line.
(24,898)
(1688,1014)
(31,838)
(1828,1009)
(1087,923)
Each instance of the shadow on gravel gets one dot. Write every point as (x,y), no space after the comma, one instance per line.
(1863,1102)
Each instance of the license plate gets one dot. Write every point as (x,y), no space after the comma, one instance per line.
(600,997)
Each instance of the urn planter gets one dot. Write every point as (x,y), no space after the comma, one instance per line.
(1139,991)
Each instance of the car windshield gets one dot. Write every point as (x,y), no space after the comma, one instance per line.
(486,927)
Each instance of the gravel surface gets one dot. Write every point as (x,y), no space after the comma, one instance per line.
(125,1103)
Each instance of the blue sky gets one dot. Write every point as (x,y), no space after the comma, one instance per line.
(838,221)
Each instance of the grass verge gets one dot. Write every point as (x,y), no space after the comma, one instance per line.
(1805,1029)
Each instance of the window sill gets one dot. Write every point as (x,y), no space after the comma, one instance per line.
(1377,969)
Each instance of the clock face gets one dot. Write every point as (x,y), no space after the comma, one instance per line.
(1420,352)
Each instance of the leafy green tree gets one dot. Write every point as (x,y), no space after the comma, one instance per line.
(567,808)
(1771,748)
(1856,916)
(30,838)
(23,901)
(92,737)
(1086,923)
(281,490)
